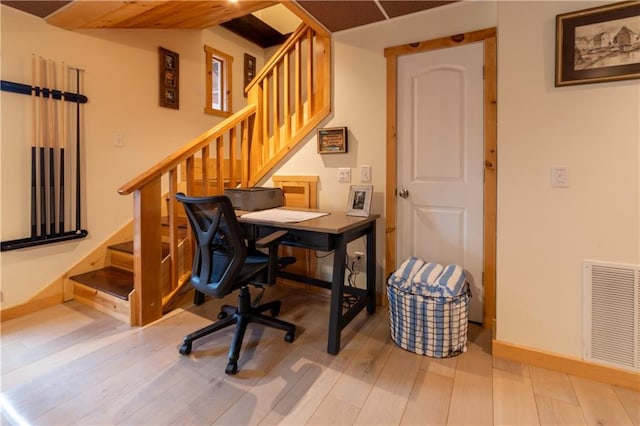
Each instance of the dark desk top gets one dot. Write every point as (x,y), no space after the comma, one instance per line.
(333,223)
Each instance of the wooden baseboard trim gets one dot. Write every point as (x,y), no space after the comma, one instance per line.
(30,307)
(568,365)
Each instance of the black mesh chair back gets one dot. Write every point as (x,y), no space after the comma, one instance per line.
(223,263)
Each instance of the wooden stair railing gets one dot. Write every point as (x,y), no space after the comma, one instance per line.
(286,101)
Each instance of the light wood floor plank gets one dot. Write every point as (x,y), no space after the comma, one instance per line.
(69,364)
(599,402)
(429,401)
(387,400)
(514,401)
(472,395)
(554,412)
(552,384)
(631,402)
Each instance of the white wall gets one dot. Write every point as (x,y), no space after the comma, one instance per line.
(121,82)
(544,234)
(359,103)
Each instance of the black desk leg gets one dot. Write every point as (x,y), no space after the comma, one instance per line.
(337,292)
(371,269)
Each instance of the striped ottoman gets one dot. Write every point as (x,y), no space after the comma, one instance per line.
(429,308)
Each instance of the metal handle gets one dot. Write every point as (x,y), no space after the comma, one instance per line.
(404,193)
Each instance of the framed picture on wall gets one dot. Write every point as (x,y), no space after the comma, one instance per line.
(249,69)
(332,140)
(598,44)
(359,203)
(169,78)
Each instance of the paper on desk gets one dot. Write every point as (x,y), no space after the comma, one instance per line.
(283,215)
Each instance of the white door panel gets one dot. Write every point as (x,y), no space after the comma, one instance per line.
(440,156)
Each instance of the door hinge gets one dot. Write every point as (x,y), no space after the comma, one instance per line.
(483,71)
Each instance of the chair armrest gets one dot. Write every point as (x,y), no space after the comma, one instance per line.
(271,239)
(271,242)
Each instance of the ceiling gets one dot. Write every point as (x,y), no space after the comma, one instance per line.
(237,16)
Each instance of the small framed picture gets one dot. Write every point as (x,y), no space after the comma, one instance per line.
(249,69)
(169,78)
(598,44)
(332,141)
(359,203)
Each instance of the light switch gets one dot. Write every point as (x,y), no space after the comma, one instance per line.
(344,175)
(365,174)
(560,177)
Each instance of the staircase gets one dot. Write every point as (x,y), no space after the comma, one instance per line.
(286,101)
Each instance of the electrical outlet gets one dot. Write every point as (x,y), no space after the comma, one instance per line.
(344,175)
(358,261)
(365,174)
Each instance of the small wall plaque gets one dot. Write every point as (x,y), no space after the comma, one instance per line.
(332,140)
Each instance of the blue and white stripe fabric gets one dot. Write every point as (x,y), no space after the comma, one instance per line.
(403,276)
(429,308)
(428,278)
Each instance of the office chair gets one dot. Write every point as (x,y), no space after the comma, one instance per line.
(223,263)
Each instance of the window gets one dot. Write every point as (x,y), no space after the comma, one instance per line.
(218,78)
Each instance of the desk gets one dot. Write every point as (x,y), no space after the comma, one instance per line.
(330,233)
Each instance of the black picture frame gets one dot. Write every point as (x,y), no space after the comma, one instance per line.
(169,78)
(599,44)
(332,140)
(249,69)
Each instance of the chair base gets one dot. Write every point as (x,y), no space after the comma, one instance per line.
(241,315)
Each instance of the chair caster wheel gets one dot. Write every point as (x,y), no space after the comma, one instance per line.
(275,311)
(185,349)
(232,368)
(289,337)
(222,315)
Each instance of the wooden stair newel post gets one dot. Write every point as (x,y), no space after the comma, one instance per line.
(147,254)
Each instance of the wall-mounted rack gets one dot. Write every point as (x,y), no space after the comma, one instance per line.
(25,89)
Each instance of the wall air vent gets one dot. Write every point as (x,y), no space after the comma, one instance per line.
(612,314)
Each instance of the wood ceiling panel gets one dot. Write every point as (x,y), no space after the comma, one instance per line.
(80,14)
(152,14)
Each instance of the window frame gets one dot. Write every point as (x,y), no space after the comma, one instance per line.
(226,61)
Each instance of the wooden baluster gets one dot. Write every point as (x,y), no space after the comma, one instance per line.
(220,164)
(298,86)
(233,149)
(286,100)
(244,153)
(275,114)
(204,171)
(310,64)
(172,213)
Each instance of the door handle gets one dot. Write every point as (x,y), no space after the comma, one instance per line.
(404,193)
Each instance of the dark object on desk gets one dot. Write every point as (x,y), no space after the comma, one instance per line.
(223,263)
(256,198)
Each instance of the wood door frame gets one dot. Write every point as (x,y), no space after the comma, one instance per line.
(488,37)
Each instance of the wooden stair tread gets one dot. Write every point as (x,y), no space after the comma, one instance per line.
(114,281)
(127,247)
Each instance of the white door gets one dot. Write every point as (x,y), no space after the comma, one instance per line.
(440,161)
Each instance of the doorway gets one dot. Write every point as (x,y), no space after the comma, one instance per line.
(452,164)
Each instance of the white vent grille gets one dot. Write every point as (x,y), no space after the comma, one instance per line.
(612,314)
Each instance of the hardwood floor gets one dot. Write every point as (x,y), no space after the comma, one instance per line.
(70,364)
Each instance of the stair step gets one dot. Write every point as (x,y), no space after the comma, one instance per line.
(114,281)
(127,247)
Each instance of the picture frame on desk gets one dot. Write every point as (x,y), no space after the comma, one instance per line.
(599,44)
(359,202)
